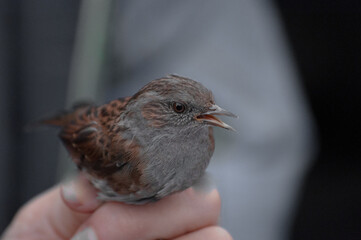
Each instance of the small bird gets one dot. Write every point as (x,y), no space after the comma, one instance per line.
(142,148)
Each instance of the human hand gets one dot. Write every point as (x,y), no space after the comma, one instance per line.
(73,212)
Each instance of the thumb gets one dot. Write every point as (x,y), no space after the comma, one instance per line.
(55,214)
(79,195)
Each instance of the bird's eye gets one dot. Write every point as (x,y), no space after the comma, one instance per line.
(179,107)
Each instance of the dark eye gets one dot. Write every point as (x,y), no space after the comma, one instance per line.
(179,107)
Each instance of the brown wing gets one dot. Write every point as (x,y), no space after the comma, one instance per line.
(88,135)
(93,138)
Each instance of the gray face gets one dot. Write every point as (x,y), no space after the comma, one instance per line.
(172,101)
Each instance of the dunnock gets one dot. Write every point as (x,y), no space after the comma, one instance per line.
(142,148)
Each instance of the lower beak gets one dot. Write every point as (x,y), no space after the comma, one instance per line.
(209,118)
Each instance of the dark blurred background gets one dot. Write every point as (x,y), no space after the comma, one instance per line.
(326,42)
(36,48)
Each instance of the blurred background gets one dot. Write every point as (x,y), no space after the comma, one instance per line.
(289,69)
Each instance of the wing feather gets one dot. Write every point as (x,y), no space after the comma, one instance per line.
(92,136)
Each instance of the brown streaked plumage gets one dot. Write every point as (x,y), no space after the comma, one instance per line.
(90,135)
(142,148)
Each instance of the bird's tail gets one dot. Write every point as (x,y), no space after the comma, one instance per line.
(59,119)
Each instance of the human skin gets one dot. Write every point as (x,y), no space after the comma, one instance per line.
(72,211)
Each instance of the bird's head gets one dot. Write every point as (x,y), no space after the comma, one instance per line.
(175,101)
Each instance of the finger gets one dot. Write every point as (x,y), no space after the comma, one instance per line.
(168,218)
(57,213)
(45,217)
(79,195)
(208,233)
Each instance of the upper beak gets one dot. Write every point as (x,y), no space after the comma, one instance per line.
(209,117)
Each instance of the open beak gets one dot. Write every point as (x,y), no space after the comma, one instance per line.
(209,117)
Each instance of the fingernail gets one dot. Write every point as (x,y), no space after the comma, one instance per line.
(80,195)
(69,192)
(86,234)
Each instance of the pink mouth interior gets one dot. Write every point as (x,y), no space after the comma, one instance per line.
(208,118)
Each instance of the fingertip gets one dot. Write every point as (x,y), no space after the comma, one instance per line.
(79,195)
(206,189)
(208,233)
(209,201)
(86,234)
(215,200)
(221,233)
